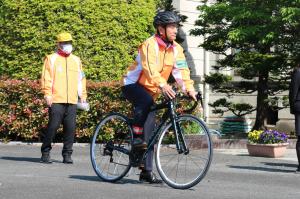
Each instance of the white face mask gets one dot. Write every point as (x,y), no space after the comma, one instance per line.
(67,48)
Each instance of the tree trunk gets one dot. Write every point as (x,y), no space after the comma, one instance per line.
(262,103)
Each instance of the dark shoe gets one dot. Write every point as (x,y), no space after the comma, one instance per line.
(149,176)
(46,158)
(139,143)
(67,159)
(298,170)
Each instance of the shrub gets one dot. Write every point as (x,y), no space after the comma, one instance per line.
(106,34)
(24,115)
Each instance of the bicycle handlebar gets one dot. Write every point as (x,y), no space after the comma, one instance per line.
(181,96)
(193,102)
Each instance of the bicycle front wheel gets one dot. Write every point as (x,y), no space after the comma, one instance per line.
(182,170)
(110,147)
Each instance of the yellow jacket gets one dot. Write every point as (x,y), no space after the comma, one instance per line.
(154,64)
(63,79)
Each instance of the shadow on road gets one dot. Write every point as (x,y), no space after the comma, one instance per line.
(96,178)
(24,159)
(87,178)
(262,168)
(122,181)
(281,164)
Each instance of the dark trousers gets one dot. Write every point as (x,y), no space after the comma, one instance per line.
(61,114)
(297,128)
(141,100)
(148,132)
(298,150)
(297,123)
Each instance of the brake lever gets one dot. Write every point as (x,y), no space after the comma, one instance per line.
(199,98)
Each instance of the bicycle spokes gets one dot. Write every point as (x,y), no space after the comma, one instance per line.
(184,162)
(110,147)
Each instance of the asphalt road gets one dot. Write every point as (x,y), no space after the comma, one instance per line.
(233,174)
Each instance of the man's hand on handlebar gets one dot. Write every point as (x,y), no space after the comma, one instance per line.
(168,91)
(193,94)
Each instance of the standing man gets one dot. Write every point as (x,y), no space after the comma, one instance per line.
(294,99)
(146,78)
(63,84)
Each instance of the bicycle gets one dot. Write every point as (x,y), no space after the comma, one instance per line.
(182,161)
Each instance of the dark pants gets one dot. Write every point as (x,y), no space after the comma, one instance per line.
(298,150)
(142,101)
(297,128)
(148,132)
(297,123)
(61,114)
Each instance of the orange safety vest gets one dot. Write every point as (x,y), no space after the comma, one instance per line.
(154,64)
(63,79)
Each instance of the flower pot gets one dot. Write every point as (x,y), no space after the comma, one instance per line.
(267,150)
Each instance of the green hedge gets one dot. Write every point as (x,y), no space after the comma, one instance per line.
(24,115)
(106,33)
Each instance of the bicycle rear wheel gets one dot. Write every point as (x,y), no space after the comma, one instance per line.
(110,147)
(182,170)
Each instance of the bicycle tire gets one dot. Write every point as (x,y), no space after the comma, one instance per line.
(110,142)
(189,172)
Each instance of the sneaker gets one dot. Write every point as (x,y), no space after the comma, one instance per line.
(67,159)
(46,158)
(298,170)
(150,177)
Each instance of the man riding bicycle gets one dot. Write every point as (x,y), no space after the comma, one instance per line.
(146,78)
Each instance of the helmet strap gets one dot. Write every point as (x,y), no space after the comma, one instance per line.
(167,41)
(166,38)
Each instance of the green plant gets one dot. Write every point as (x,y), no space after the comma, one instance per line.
(263,38)
(190,128)
(24,115)
(106,34)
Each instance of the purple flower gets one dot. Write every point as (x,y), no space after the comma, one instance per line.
(272,137)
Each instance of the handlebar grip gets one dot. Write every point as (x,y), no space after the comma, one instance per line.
(199,96)
(192,103)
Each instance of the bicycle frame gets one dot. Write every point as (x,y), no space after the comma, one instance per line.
(171,115)
(180,162)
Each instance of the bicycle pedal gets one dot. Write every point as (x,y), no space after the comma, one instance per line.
(107,152)
(142,166)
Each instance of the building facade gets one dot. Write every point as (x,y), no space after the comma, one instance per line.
(200,62)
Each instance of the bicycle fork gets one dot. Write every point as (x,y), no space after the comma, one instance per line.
(179,139)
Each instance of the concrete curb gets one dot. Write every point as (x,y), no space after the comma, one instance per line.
(14,143)
(218,143)
(242,143)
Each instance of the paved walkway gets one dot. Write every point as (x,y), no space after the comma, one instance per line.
(233,175)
